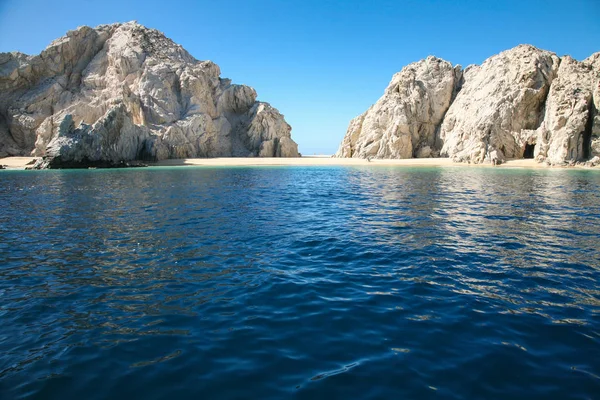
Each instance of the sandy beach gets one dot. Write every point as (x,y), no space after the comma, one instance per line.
(22,162)
(16,162)
(326,160)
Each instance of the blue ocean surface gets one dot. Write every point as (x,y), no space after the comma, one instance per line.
(300,282)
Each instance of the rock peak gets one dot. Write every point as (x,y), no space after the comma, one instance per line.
(129,92)
(404,122)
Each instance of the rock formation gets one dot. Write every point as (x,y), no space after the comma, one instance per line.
(124,92)
(405,121)
(571,115)
(499,104)
(523,102)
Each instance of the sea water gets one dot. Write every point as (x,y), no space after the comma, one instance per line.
(300,282)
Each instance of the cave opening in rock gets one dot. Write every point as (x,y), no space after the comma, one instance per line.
(529,150)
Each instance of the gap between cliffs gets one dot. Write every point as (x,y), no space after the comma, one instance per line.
(459,81)
(587,132)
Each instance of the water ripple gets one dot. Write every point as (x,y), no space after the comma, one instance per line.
(306,282)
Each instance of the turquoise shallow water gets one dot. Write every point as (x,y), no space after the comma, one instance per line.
(294,282)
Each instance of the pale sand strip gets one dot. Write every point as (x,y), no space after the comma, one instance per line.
(324,161)
(16,162)
(22,162)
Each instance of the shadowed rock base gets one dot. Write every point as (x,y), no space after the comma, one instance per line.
(58,163)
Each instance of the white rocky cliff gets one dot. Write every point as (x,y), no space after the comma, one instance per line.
(124,92)
(521,103)
(404,122)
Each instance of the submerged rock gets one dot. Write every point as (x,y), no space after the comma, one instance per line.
(124,92)
(522,103)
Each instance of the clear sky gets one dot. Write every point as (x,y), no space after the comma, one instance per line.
(320,62)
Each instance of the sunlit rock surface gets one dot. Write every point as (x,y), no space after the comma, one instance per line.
(405,121)
(125,92)
(522,103)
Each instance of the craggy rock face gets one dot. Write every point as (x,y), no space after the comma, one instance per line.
(594,63)
(124,92)
(499,100)
(405,121)
(571,115)
(523,102)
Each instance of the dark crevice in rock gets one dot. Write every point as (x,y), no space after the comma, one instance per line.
(529,150)
(145,153)
(587,133)
(459,81)
(541,111)
(8,146)
(438,143)
(177,89)
(541,108)
(503,150)
(459,76)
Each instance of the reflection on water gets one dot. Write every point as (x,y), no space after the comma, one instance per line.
(312,282)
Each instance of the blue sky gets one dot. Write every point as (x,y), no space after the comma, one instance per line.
(320,62)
